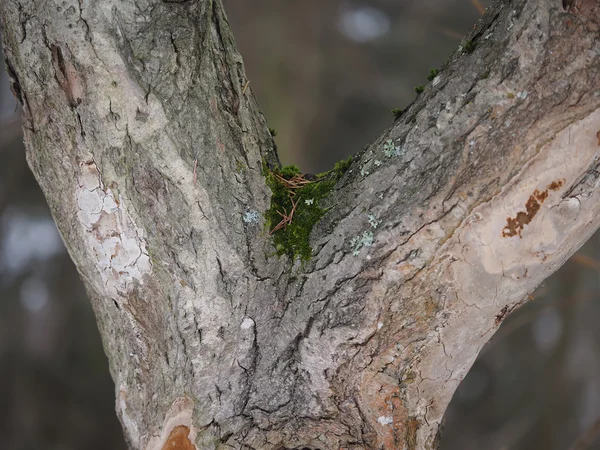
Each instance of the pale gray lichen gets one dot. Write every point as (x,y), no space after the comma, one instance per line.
(522,95)
(309,201)
(251,216)
(366,239)
(390,149)
(373,221)
(385,420)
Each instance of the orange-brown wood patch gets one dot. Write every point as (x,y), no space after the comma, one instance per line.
(516,225)
(178,439)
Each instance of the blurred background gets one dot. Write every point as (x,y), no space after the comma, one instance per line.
(326,74)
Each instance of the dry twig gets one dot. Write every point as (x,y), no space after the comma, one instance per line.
(287,219)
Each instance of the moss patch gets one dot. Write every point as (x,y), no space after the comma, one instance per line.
(239,166)
(296,206)
(432,74)
(469,46)
(397,113)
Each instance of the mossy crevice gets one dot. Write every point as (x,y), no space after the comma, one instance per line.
(302,202)
(469,46)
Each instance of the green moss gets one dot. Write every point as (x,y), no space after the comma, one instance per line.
(288,172)
(293,239)
(419,89)
(239,166)
(273,132)
(432,74)
(342,166)
(469,46)
(397,112)
(152,255)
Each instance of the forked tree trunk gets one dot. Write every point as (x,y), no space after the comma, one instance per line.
(149,146)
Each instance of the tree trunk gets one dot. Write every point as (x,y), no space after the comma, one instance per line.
(158,167)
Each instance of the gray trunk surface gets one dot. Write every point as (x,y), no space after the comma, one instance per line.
(151,150)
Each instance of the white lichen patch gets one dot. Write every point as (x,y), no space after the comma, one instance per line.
(247,323)
(522,95)
(385,420)
(116,243)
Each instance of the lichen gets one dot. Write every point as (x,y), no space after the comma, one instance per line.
(366,239)
(385,420)
(390,149)
(251,216)
(296,206)
(373,221)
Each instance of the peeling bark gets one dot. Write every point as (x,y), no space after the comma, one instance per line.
(149,146)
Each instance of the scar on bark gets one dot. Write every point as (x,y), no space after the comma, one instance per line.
(68,78)
(506,309)
(179,440)
(515,226)
(501,315)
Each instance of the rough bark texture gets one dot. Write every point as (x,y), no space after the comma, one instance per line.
(149,147)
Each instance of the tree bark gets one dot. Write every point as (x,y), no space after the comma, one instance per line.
(150,148)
